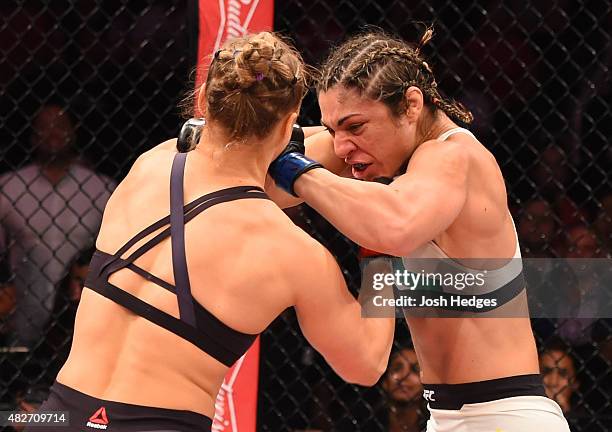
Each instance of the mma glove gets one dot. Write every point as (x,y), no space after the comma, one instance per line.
(189,135)
(292,163)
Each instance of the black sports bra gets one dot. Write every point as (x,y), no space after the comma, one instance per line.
(196,324)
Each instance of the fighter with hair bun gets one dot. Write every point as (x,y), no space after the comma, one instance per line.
(444,199)
(193,261)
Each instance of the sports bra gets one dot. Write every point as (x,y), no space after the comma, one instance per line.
(196,324)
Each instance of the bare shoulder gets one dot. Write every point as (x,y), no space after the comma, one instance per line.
(166,146)
(293,249)
(146,167)
(440,156)
(164,149)
(468,145)
(150,161)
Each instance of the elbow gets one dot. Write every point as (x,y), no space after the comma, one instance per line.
(396,238)
(368,371)
(367,376)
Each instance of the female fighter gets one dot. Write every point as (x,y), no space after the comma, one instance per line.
(193,261)
(446,200)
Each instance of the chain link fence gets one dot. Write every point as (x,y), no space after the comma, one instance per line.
(111,73)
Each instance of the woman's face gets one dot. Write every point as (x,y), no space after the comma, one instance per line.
(366,135)
(402,381)
(559,377)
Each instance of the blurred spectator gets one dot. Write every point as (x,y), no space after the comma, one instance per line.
(581,242)
(29,400)
(571,213)
(603,223)
(402,385)
(49,211)
(581,299)
(551,172)
(54,352)
(7,306)
(559,375)
(536,229)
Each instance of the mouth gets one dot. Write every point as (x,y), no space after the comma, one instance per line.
(403,392)
(359,169)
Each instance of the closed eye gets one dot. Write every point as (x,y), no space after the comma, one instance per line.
(354,128)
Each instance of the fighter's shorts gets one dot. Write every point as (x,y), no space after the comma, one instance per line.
(90,414)
(512,404)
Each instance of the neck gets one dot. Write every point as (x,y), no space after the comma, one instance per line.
(55,168)
(404,417)
(435,125)
(431,126)
(227,162)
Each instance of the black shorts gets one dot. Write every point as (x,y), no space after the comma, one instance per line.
(87,413)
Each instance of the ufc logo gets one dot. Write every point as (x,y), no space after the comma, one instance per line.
(428,395)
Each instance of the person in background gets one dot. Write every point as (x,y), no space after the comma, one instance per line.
(50,210)
(27,402)
(559,374)
(403,388)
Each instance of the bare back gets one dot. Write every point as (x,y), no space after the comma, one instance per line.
(235,254)
(459,350)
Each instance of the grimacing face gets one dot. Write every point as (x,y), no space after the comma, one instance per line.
(366,134)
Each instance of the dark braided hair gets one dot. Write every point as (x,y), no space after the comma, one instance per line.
(382,68)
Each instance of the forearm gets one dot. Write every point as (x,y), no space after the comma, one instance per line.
(368,213)
(379,339)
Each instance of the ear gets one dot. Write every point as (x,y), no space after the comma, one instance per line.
(200,106)
(287,126)
(414,103)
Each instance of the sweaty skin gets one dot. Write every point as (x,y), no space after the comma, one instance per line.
(246,274)
(451,192)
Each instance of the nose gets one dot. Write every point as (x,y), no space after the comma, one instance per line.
(553,379)
(343,146)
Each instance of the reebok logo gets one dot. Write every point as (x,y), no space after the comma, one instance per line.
(99,419)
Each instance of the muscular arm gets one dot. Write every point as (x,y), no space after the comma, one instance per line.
(397,218)
(330,317)
(320,147)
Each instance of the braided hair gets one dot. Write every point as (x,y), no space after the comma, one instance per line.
(252,82)
(382,68)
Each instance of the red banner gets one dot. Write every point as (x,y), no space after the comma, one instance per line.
(236,405)
(223,19)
